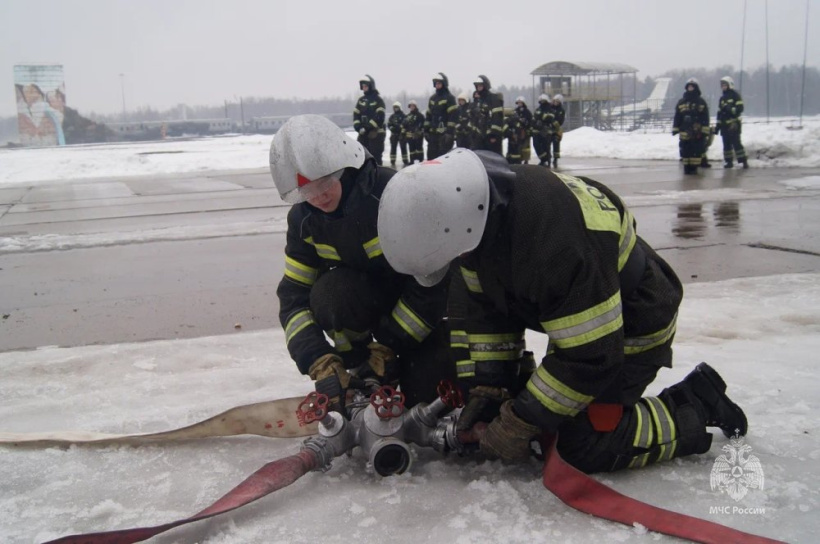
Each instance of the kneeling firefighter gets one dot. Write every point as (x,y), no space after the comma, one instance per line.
(385,327)
(560,255)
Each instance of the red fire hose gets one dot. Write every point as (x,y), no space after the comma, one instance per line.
(271,477)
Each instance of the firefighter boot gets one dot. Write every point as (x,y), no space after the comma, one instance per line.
(704,162)
(719,410)
(728,164)
(745,162)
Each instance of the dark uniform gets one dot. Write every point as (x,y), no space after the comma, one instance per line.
(368,119)
(414,132)
(493,126)
(338,282)
(478,113)
(395,124)
(560,255)
(728,126)
(513,128)
(440,119)
(463,129)
(691,123)
(543,131)
(558,135)
(525,132)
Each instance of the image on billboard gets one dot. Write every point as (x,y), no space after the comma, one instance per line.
(40,92)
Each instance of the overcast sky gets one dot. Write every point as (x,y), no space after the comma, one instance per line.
(207,51)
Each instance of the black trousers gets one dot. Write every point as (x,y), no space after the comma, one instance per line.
(349,305)
(397,142)
(375,145)
(732,147)
(438,145)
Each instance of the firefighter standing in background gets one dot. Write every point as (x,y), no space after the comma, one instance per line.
(395,124)
(525,118)
(512,132)
(728,124)
(463,129)
(414,132)
(558,135)
(368,118)
(479,114)
(491,139)
(691,124)
(440,119)
(556,254)
(384,325)
(543,128)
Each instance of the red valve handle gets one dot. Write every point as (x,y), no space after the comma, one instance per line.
(313,408)
(387,402)
(450,394)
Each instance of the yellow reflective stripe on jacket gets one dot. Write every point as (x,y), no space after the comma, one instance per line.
(640,461)
(465,369)
(458,339)
(555,395)
(664,423)
(295,324)
(640,344)
(598,211)
(587,326)
(628,239)
(410,322)
(341,341)
(300,273)
(373,248)
(644,433)
(471,279)
(327,252)
(496,347)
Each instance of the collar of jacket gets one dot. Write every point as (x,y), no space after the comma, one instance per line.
(501,188)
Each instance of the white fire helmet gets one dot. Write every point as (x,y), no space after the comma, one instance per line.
(559,98)
(307,152)
(430,213)
(728,81)
(397,104)
(521,100)
(544,98)
(462,96)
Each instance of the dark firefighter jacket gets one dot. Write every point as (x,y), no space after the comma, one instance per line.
(317,241)
(463,120)
(495,108)
(369,112)
(560,113)
(442,113)
(691,120)
(730,108)
(560,255)
(544,123)
(395,123)
(414,124)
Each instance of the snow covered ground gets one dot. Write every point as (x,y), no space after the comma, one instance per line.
(772,144)
(762,334)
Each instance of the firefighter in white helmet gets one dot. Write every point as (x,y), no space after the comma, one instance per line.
(555,254)
(337,282)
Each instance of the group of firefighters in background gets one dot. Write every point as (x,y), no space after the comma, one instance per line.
(480,124)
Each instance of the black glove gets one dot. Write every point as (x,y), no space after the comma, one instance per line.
(508,437)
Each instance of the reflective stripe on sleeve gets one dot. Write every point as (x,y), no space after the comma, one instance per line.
(295,324)
(555,395)
(587,326)
(644,433)
(458,339)
(300,273)
(628,240)
(640,344)
(410,322)
(465,369)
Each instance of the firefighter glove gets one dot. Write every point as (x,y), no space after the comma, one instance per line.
(508,437)
(332,379)
(383,363)
(362,131)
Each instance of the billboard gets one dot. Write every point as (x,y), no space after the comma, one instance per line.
(40,91)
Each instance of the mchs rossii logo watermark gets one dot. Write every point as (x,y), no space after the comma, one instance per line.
(735,472)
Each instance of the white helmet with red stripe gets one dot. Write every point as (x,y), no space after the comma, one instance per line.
(430,213)
(307,152)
